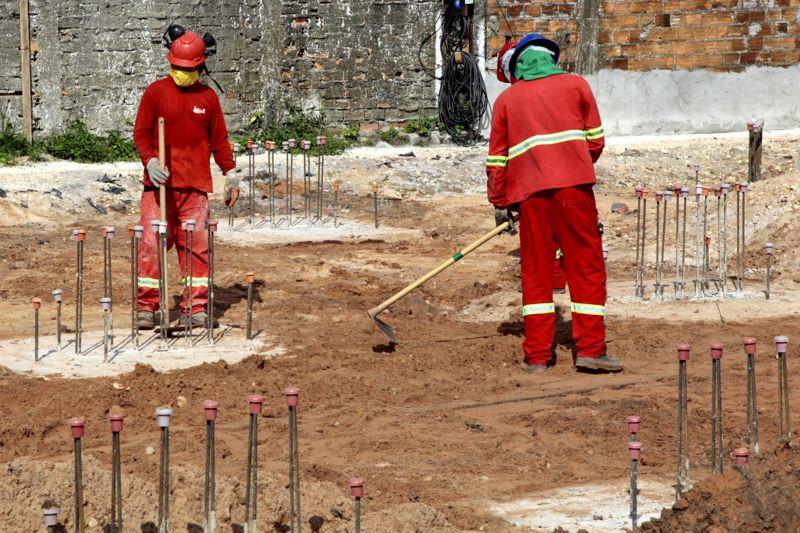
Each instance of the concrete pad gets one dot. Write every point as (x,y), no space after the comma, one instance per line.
(597,508)
(230,346)
(262,232)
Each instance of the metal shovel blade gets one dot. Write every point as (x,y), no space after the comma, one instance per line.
(383,326)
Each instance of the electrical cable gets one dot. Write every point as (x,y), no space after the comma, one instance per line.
(463,101)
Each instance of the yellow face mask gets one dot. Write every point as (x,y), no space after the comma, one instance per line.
(183,78)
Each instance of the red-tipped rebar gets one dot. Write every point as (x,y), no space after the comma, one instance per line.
(163,418)
(116,421)
(36,303)
(634,454)
(292,395)
(784,420)
(768,249)
(633,426)
(717,441)
(357,492)
(682,481)
(751,434)
(51,519)
(255,402)
(210,408)
(77,427)
(742,455)
(250,278)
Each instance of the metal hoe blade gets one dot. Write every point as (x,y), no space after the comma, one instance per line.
(383,326)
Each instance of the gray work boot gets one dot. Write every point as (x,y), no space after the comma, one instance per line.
(198,320)
(147,320)
(533,369)
(604,363)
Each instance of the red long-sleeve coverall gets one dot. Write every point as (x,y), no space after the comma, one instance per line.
(194,128)
(546,136)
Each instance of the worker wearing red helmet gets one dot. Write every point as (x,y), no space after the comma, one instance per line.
(194,129)
(504,75)
(546,135)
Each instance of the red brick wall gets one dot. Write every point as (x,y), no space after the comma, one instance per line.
(719,35)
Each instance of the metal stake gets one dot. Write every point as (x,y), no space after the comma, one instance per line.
(57,298)
(250,279)
(270,146)
(682,480)
(116,421)
(743,188)
(210,498)
(292,144)
(698,254)
(163,302)
(357,492)
(251,165)
(322,140)
(756,130)
(706,261)
(295,523)
(375,200)
(784,421)
(77,427)
(659,198)
(682,279)
(751,435)
(37,303)
(644,240)
(717,443)
(306,145)
(288,184)
(634,453)
(232,209)
(661,284)
(255,403)
(109,236)
(768,248)
(105,302)
(718,194)
(335,204)
(677,190)
(163,417)
(212,229)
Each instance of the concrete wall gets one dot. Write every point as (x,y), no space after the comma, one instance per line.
(93,58)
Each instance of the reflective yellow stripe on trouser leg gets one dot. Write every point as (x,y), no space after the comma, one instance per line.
(588,309)
(148,283)
(538,309)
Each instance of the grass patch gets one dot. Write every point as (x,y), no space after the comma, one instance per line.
(77,143)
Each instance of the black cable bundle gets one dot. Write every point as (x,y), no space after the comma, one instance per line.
(462,98)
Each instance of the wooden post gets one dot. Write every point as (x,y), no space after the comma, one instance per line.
(25,61)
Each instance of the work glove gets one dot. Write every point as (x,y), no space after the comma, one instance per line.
(504,214)
(231,190)
(158,174)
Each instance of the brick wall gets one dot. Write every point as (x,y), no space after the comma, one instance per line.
(717,35)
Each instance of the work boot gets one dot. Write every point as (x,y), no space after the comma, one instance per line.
(533,369)
(147,320)
(198,320)
(605,363)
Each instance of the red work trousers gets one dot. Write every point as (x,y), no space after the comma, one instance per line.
(559,276)
(182,205)
(568,217)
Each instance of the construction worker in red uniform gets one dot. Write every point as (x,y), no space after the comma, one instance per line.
(504,75)
(546,135)
(194,129)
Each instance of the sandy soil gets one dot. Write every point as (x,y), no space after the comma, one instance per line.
(445,427)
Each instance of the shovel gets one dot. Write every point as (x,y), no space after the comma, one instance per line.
(375,311)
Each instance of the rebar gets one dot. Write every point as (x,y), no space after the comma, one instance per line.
(638,192)
(163,417)
(306,146)
(270,146)
(784,421)
(250,279)
(57,296)
(51,519)
(633,426)
(718,194)
(80,237)
(109,233)
(36,303)
(698,254)
(642,245)
(375,200)
(659,199)
(322,141)
(211,225)
(232,209)
(738,189)
(682,479)
(335,204)
(116,421)
(677,190)
(190,227)
(163,302)
(292,144)
(77,428)
(756,131)
(357,492)
(661,284)
(751,433)
(743,188)
(685,196)
(706,266)
(138,233)
(295,521)
(255,403)
(251,165)
(105,302)
(288,184)
(634,453)
(768,248)
(724,268)
(717,441)
(210,488)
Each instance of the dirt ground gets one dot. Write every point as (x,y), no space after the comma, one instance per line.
(444,425)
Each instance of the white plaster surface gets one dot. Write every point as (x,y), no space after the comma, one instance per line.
(230,346)
(596,508)
(664,102)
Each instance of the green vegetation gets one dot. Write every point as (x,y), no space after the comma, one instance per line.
(14,145)
(423,126)
(390,135)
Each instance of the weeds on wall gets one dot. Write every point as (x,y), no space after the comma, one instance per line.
(14,145)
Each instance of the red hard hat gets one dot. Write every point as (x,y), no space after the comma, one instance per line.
(187,51)
(508,48)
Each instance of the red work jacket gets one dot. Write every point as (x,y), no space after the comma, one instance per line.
(546,134)
(194,128)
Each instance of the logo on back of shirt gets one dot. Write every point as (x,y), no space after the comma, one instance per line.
(199,110)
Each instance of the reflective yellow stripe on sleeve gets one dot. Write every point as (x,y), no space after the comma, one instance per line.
(496,161)
(148,283)
(588,309)
(594,133)
(538,309)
